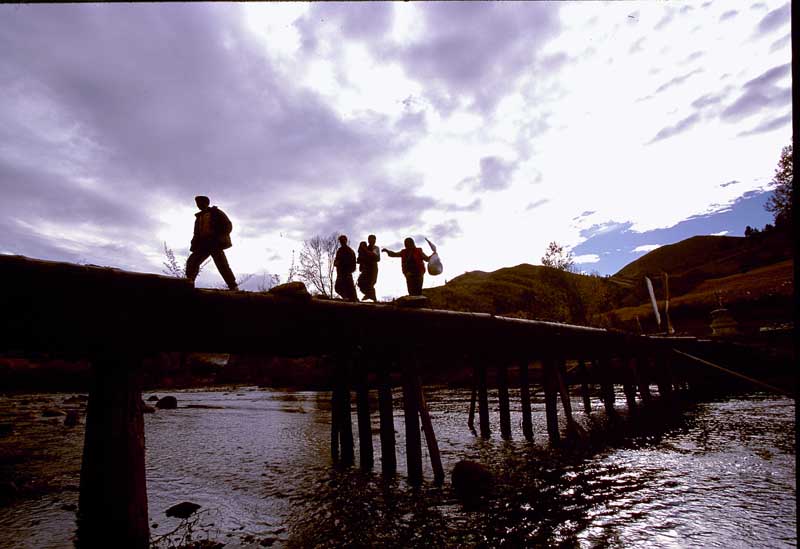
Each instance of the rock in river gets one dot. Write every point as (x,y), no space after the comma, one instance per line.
(183,510)
(53,412)
(153,398)
(167,403)
(471,481)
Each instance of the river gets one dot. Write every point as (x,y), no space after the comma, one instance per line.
(719,474)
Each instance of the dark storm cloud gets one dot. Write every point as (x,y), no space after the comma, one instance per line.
(367,21)
(774,19)
(495,175)
(468,52)
(769,125)
(476,50)
(443,231)
(760,93)
(680,127)
(730,14)
(167,100)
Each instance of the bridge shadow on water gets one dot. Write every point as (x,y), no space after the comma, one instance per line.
(542,496)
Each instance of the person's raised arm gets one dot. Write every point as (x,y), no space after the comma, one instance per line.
(390,253)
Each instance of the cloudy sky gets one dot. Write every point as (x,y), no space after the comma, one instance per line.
(490,128)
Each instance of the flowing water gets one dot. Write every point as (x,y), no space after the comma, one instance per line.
(719,474)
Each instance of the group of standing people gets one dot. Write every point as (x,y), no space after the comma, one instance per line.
(412,263)
(212,230)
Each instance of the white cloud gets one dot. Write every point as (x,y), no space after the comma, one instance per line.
(645,248)
(586,258)
(721,233)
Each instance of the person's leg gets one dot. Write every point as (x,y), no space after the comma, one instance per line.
(417,285)
(224,269)
(193,263)
(373,279)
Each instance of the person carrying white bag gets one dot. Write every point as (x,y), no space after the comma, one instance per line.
(434,263)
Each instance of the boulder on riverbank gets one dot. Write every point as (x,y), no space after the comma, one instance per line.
(182,510)
(147,409)
(471,481)
(167,403)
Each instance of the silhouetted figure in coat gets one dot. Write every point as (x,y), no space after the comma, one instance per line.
(412,259)
(368,257)
(345,263)
(212,235)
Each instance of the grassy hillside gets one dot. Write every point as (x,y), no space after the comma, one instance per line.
(528,291)
(753,276)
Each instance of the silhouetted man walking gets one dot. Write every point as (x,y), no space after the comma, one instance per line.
(345,263)
(368,265)
(212,235)
(412,263)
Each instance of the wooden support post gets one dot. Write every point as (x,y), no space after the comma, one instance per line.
(343,419)
(388,458)
(411,415)
(430,437)
(525,396)
(629,386)
(502,393)
(365,452)
(584,376)
(606,385)
(642,373)
(113,491)
(664,378)
(471,418)
(550,384)
(335,409)
(483,401)
(560,374)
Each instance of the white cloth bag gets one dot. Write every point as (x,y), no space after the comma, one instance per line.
(434,263)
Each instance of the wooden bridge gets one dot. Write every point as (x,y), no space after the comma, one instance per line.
(116,318)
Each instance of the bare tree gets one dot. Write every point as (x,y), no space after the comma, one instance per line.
(316,263)
(292,270)
(557,257)
(268,281)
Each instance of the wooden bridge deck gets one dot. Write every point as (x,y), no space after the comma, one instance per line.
(116,318)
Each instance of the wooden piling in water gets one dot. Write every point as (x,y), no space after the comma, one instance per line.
(606,385)
(113,491)
(550,384)
(525,397)
(663,378)
(411,416)
(342,403)
(560,375)
(473,397)
(430,437)
(483,401)
(642,374)
(584,377)
(629,384)
(502,394)
(388,457)
(365,451)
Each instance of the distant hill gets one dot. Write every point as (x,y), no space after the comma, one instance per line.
(699,268)
(528,291)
